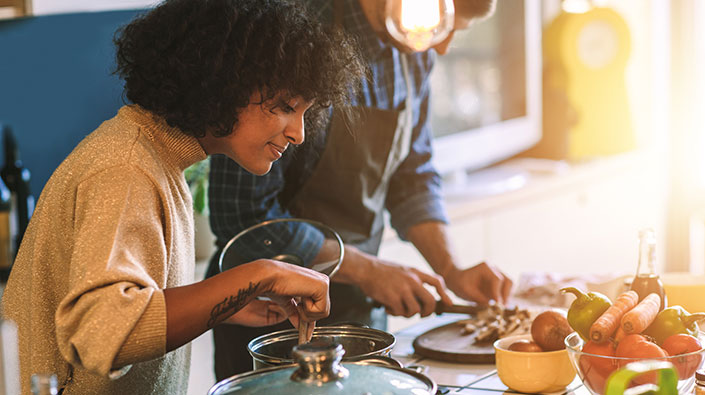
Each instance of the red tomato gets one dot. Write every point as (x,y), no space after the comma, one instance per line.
(679,344)
(637,347)
(594,368)
(628,342)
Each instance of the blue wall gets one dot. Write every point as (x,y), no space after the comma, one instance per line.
(56,84)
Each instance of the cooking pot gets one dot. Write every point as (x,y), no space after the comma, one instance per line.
(319,370)
(275,349)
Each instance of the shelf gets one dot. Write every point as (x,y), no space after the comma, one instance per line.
(10,9)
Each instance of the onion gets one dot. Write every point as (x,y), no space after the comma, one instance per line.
(524,345)
(549,329)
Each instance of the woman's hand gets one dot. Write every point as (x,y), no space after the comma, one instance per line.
(262,313)
(289,281)
(270,312)
(233,296)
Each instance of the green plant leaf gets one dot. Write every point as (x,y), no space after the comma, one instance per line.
(196,176)
(200,197)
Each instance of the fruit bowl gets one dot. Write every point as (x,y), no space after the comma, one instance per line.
(594,369)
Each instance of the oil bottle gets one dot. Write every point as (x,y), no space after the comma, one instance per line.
(16,178)
(646,280)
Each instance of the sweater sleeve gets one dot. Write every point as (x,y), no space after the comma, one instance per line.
(114,313)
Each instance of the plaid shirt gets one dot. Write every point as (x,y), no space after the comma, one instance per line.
(238,199)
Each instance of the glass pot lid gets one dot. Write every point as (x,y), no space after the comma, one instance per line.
(298,241)
(318,371)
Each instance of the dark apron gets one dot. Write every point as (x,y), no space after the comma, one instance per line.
(348,188)
(346,191)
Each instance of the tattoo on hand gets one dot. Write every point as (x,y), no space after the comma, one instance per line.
(233,302)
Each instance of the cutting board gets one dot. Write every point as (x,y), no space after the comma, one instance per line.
(449,343)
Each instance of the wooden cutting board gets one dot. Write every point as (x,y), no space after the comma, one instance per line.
(449,343)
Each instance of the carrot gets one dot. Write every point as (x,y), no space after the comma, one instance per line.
(609,321)
(619,335)
(641,316)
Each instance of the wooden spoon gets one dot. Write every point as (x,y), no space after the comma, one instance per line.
(304,323)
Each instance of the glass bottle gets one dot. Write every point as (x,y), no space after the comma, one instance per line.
(700,382)
(646,280)
(9,359)
(7,232)
(44,384)
(16,177)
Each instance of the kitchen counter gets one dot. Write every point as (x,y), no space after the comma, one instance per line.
(455,378)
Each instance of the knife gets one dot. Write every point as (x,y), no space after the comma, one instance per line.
(441,308)
(458,308)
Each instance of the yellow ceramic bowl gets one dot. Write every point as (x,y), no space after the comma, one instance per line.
(686,290)
(532,371)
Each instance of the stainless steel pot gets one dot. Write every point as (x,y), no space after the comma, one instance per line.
(275,349)
(318,370)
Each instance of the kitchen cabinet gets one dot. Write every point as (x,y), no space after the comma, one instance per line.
(45,7)
(581,219)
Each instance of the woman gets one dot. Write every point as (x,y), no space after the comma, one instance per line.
(100,288)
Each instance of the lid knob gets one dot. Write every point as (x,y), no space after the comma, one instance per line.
(319,362)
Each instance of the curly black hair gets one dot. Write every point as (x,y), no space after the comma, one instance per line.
(196,63)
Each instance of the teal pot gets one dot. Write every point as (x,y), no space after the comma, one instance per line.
(319,370)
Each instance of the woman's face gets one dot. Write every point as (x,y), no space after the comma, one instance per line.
(262,134)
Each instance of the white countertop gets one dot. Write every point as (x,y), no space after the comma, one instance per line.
(456,378)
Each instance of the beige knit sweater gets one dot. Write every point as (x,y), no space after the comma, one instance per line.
(113,227)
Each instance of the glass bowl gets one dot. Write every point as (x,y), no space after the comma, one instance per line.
(594,369)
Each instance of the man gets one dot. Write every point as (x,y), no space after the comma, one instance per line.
(349,175)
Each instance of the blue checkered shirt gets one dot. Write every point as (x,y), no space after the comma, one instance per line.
(238,199)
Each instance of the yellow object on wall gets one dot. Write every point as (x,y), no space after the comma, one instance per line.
(586,55)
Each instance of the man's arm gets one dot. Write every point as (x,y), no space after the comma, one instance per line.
(418,214)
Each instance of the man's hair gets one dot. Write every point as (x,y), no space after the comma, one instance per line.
(477,9)
(196,63)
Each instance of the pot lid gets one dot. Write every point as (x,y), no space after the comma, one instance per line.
(318,371)
(307,243)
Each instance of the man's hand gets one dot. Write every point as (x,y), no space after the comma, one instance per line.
(480,283)
(399,288)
